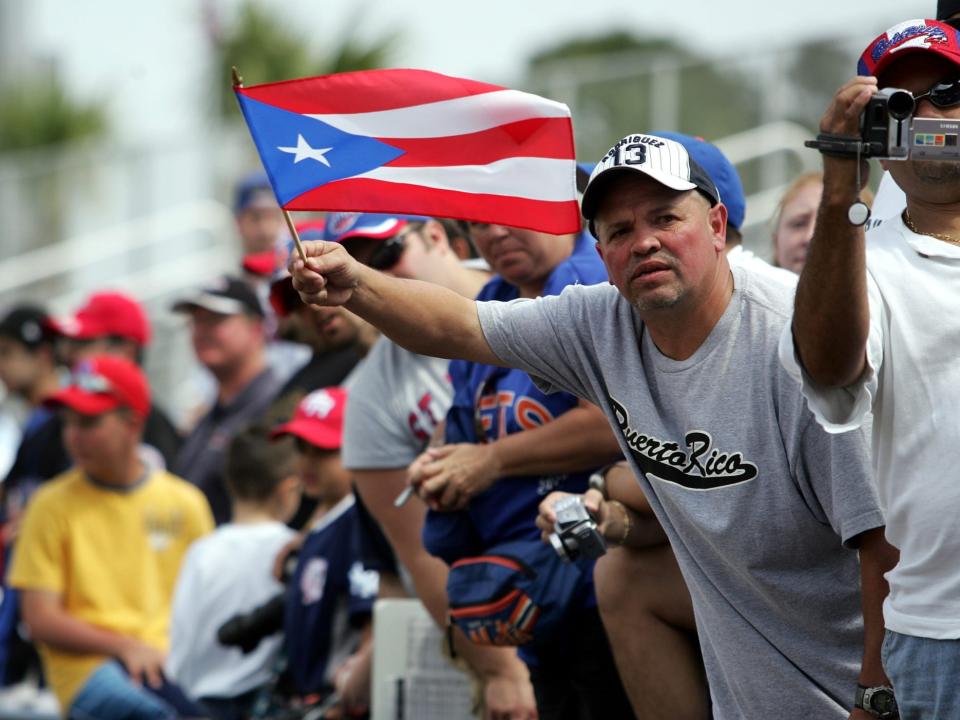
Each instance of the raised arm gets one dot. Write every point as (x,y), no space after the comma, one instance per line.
(422,317)
(832,315)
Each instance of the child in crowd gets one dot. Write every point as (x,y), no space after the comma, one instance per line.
(229,573)
(328,641)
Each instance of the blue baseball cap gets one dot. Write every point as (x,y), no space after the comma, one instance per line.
(253,190)
(720,170)
(342,226)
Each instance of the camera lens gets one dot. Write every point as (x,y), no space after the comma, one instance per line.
(900,105)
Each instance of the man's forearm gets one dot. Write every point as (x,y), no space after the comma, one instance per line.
(422,317)
(641,529)
(832,314)
(877,557)
(578,440)
(60,630)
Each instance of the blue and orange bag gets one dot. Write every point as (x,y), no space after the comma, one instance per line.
(516,593)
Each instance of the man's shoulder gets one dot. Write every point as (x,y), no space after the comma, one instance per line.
(63,487)
(885,235)
(771,294)
(599,295)
(386,353)
(235,540)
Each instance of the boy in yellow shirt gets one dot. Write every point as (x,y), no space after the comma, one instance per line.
(99,552)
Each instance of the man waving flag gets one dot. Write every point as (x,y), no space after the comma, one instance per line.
(414,141)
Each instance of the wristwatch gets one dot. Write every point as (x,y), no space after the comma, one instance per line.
(598,480)
(878,701)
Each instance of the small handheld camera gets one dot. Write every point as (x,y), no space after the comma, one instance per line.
(885,124)
(889,130)
(576,536)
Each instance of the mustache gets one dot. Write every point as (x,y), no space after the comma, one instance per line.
(659,261)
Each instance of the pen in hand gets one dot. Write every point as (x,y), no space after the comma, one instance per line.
(402,498)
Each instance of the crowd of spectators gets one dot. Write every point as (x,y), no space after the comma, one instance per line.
(649,366)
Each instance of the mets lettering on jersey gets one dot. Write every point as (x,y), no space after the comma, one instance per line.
(414,141)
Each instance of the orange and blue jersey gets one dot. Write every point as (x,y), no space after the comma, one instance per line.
(492,402)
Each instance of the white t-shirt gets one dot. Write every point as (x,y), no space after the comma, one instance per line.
(742,257)
(224,574)
(912,385)
(889,201)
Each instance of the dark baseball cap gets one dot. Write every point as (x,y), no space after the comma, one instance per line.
(27,324)
(227,296)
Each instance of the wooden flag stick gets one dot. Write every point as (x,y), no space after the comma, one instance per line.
(238,82)
(294,235)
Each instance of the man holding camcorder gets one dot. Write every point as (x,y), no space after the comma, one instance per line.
(876,327)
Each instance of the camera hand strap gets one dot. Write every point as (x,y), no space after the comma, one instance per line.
(846,146)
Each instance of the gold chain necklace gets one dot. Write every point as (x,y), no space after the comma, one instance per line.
(939,236)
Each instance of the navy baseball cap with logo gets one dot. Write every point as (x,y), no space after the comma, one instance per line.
(660,159)
(721,171)
(253,191)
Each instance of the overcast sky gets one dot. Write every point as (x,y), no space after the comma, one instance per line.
(146,59)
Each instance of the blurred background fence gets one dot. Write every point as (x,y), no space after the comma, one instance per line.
(84,207)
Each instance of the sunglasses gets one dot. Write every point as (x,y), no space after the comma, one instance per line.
(388,253)
(944,94)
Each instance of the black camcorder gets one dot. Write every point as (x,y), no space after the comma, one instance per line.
(889,130)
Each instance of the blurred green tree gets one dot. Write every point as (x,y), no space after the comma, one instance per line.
(38,112)
(818,69)
(618,83)
(265,49)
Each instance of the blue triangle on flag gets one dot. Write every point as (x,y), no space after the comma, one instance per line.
(309,139)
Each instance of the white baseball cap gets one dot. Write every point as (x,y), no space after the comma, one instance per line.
(660,159)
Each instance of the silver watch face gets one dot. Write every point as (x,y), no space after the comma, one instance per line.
(880,701)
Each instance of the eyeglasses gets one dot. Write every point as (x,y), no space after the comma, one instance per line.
(944,94)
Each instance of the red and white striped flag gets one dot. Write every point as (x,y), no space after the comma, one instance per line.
(414,141)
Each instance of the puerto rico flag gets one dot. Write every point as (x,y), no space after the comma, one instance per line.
(414,141)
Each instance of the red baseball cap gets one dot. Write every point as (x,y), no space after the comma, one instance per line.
(318,419)
(107,314)
(102,383)
(912,36)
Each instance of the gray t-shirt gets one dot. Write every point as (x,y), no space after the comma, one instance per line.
(396,400)
(754,496)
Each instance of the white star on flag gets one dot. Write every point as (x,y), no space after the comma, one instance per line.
(303,151)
